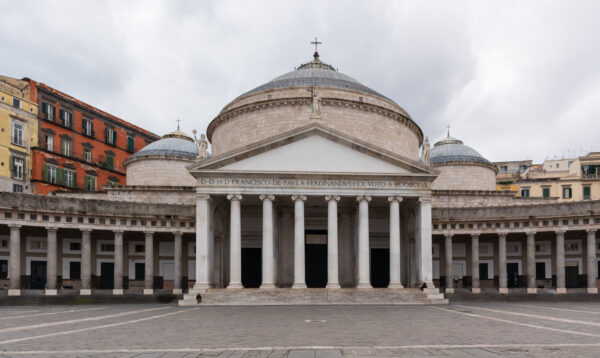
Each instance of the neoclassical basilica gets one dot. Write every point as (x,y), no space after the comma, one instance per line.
(317,189)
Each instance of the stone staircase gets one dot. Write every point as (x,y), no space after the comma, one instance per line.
(313,296)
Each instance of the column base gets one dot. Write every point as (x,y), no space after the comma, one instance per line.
(51,292)
(364,285)
(592,290)
(475,290)
(118,291)
(299,285)
(85,292)
(395,285)
(201,286)
(561,290)
(333,285)
(178,291)
(503,290)
(235,285)
(14,292)
(148,291)
(267,286)
(449,290)
(531,290)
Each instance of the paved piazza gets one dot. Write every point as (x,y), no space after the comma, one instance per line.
(456,330)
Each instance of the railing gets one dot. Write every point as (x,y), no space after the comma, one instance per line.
(594,175)
(99,161)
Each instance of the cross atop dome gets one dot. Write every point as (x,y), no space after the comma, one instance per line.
(316,42)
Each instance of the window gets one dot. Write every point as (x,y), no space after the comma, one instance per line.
(110,162)
(65,147)
(3,268)
(3,243)
(16,103)
(17,188)
(567,192)
(525,193)
(130,145)
(18,168)
(88,127)
(49,173)
(139,248)
(503,169)
(37,244)
(75,246)
(540,270)
(87,155)
(572,247)
(107,247)
(546,192)
(17,133)
(49,142)
(587,193)
(74,270)
(522,168)
(90,183)
(66,118)
(48,111)
(69,178)
(111,136)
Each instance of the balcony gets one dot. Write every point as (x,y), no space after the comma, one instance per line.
(590,175)
(100,161)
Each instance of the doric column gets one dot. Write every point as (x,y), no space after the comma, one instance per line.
(560,262)
(332,241)
(235,244)
(364,279)
(86,262)
(502,279)
(299,270)
(14,288)
(118,258)
(149,263)
(475,263)
(177,289)
(592,267)
(268,258)
(448,261)
(395,267)
(204,242)
(424,242)
(51,261)
(531,288)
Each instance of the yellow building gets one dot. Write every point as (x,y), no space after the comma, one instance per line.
(18,133)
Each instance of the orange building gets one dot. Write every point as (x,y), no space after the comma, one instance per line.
(80,147)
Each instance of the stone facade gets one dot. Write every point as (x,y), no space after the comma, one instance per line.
(159,171)
(465,176)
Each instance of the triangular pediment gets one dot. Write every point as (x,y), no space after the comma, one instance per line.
(316,149)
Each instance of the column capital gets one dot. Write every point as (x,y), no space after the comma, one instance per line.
(448,234)
(14,226)
(234,197)
(363,197)
(561,231)
(502,233)
(118,231)
(475,235)
(148,233)
(178,234)
(202,196)
(530,233)
(85,230)
(52,228)
(332,197)
(425,199)
(591,230)
(395,198)
(298,197)
(264,197)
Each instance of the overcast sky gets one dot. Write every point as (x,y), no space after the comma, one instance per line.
(514,79)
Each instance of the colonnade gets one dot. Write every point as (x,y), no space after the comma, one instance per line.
(530,260)
(86,262)
(204,238)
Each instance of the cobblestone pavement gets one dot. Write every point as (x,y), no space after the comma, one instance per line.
(456,330)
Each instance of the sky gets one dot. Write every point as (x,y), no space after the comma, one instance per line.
(513,79)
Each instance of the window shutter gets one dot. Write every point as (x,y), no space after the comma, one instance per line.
(13,169)
(60,176)
(45,173)
(114,137)
(92,127)
(106,135)
(74,180)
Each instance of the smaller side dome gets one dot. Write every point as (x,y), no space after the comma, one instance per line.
(451,149)
(174,144)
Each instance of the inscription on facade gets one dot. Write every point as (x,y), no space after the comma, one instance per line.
(307,183)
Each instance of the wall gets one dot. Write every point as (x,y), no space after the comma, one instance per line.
(170,172)
(464,177)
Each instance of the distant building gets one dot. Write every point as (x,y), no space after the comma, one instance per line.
(80,146)
(509,174)
(19,132)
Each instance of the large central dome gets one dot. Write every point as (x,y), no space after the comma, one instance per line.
(317,74)
(314,92)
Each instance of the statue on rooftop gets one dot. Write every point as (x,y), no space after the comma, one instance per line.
(202,147)
(426,151)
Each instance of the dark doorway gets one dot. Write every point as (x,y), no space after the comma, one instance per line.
(571,276)
(140,271)
(3,268)
(483,271)
(75,270)
(316,258)
(38,275)
(251,267)
(512,274)
(540,270)
(380,267)
(107,275)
